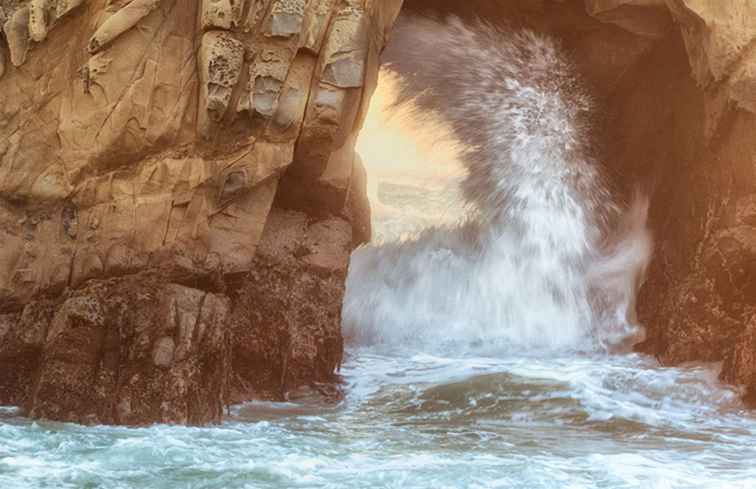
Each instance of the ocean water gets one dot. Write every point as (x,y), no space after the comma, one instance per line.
(414,420)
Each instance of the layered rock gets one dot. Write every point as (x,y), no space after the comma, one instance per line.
(157,138)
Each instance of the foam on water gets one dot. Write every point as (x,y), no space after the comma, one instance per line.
(530,267)
(416,420)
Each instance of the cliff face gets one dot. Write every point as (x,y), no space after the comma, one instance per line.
(681,126)
(685,126)
(179,196)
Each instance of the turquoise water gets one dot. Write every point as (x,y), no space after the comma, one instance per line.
(413,420)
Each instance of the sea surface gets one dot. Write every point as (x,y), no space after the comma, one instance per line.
(413,420)
(430,419)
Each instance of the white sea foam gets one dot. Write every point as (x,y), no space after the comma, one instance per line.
(543,260)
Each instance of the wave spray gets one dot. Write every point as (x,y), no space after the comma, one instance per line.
(544,260)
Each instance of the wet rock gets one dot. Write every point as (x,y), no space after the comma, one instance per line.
(22,336)
(677,120)
(287,321)
(162,355)
(740,366)
(134,351)
(700,296)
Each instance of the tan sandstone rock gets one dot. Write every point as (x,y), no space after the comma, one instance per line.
(717,34)
(16,29)
(134,141)
(222,14)
(120,22)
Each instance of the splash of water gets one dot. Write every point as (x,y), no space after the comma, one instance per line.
(536,264)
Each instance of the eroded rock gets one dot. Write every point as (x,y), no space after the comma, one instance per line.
(287,322)
(222,14)
(134,351)
(221,57)
(677,122)
(285,18)
(134,202)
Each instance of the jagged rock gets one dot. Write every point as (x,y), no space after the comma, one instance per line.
(740,366)
(699,294)
(221,57)
(286,325)
(137,207)
(22,336)
(134,352)
(128,190)
(677,122)
(716,36)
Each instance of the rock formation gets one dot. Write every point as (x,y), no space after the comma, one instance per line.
(696,153)
(179,192)
(179,195)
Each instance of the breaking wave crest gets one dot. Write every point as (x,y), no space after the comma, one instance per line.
(545,259)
